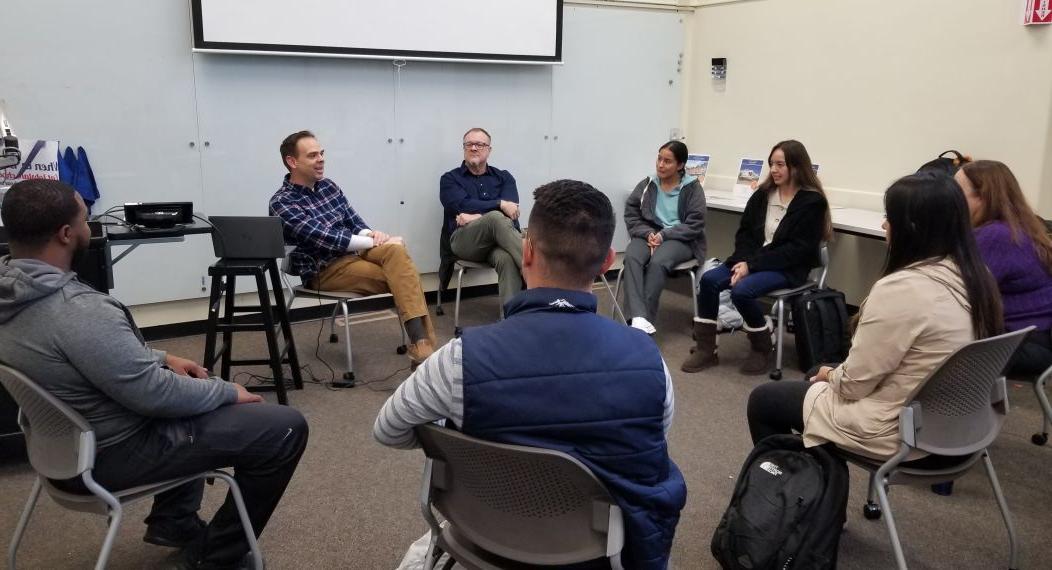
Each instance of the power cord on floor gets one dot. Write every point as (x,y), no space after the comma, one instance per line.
(261,380)
(306,370)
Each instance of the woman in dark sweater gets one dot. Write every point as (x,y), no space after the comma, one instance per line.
(1015,246)
(776,246)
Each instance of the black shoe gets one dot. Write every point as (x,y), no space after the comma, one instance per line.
(174,534)
(186,561)
(944,489)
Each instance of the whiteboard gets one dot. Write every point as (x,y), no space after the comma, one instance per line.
(508,30)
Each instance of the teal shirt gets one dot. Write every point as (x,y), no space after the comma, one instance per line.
(667,206)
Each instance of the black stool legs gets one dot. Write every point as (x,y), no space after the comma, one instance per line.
(224,276)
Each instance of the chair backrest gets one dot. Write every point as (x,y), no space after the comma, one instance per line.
(960,408)
(60,442)
(531,505)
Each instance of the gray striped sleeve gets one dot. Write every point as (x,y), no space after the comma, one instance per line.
(670,400)
(434,392)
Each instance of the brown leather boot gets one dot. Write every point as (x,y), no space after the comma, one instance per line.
(419,351)
(703,355)
(759,359)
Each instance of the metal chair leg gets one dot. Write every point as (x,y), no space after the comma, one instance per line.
(456,304)
(613,299)
(111,536)
(779,306)
(617,291)
(23,522)
(694,291)
(1013,544)
(889,520)
(347,340)
(1042,399)
(246,523)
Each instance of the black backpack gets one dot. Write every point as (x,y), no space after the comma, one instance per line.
(820,324)
(945,164)
(788,509)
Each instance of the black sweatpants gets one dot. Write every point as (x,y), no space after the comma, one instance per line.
(262,442)
(777,408)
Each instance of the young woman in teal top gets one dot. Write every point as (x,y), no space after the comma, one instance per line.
(665,215)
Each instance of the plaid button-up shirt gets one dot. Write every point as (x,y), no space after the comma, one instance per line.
(318,221)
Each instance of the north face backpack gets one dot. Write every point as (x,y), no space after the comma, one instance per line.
(788,509)
(821,327)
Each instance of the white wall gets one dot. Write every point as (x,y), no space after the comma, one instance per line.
(873,89)
(160,123)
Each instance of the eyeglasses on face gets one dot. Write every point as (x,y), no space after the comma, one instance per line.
(475,145)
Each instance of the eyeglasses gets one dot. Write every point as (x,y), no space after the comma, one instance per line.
(475,145)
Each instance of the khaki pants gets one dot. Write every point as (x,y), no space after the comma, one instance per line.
(493,239)
(382,269)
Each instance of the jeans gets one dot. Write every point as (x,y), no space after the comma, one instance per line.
(262,442)
(744,295)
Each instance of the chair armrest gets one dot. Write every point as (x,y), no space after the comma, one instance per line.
(910,422)
(999,395)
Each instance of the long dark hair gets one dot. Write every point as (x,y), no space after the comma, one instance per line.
(678,150)
(929,222)
(1002,200)
(801,173)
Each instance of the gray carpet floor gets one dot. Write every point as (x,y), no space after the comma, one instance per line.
(354,503)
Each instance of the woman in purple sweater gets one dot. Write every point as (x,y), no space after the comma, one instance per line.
(1016,247)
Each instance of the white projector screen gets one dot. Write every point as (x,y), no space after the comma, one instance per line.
(526,31)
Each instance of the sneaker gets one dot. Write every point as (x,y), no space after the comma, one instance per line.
(643,325)
(174,534)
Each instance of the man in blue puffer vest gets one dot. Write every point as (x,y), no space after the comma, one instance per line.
(553,374)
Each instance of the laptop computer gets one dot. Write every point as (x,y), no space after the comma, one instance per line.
(247,237)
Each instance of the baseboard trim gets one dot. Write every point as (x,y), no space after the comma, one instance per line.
(321,311)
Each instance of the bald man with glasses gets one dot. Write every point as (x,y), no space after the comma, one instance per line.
(481,205)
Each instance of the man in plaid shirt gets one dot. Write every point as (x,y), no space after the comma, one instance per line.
(336,250)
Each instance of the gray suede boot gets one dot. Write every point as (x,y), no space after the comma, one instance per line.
(703,355)
(759,359)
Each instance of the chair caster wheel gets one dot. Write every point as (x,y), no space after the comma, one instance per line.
(1039,438)
(776,375)
(458,331)
(333,338)
(439,311)
(871,512)
(401,349)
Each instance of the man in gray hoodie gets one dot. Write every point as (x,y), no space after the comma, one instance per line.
(156,416)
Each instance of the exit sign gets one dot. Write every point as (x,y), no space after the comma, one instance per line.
(1037,12)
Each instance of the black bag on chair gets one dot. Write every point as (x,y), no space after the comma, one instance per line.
(821,327)
(788,509)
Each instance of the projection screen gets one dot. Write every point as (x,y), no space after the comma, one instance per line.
(506,31)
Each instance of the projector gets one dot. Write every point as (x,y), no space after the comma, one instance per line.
(159,215)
